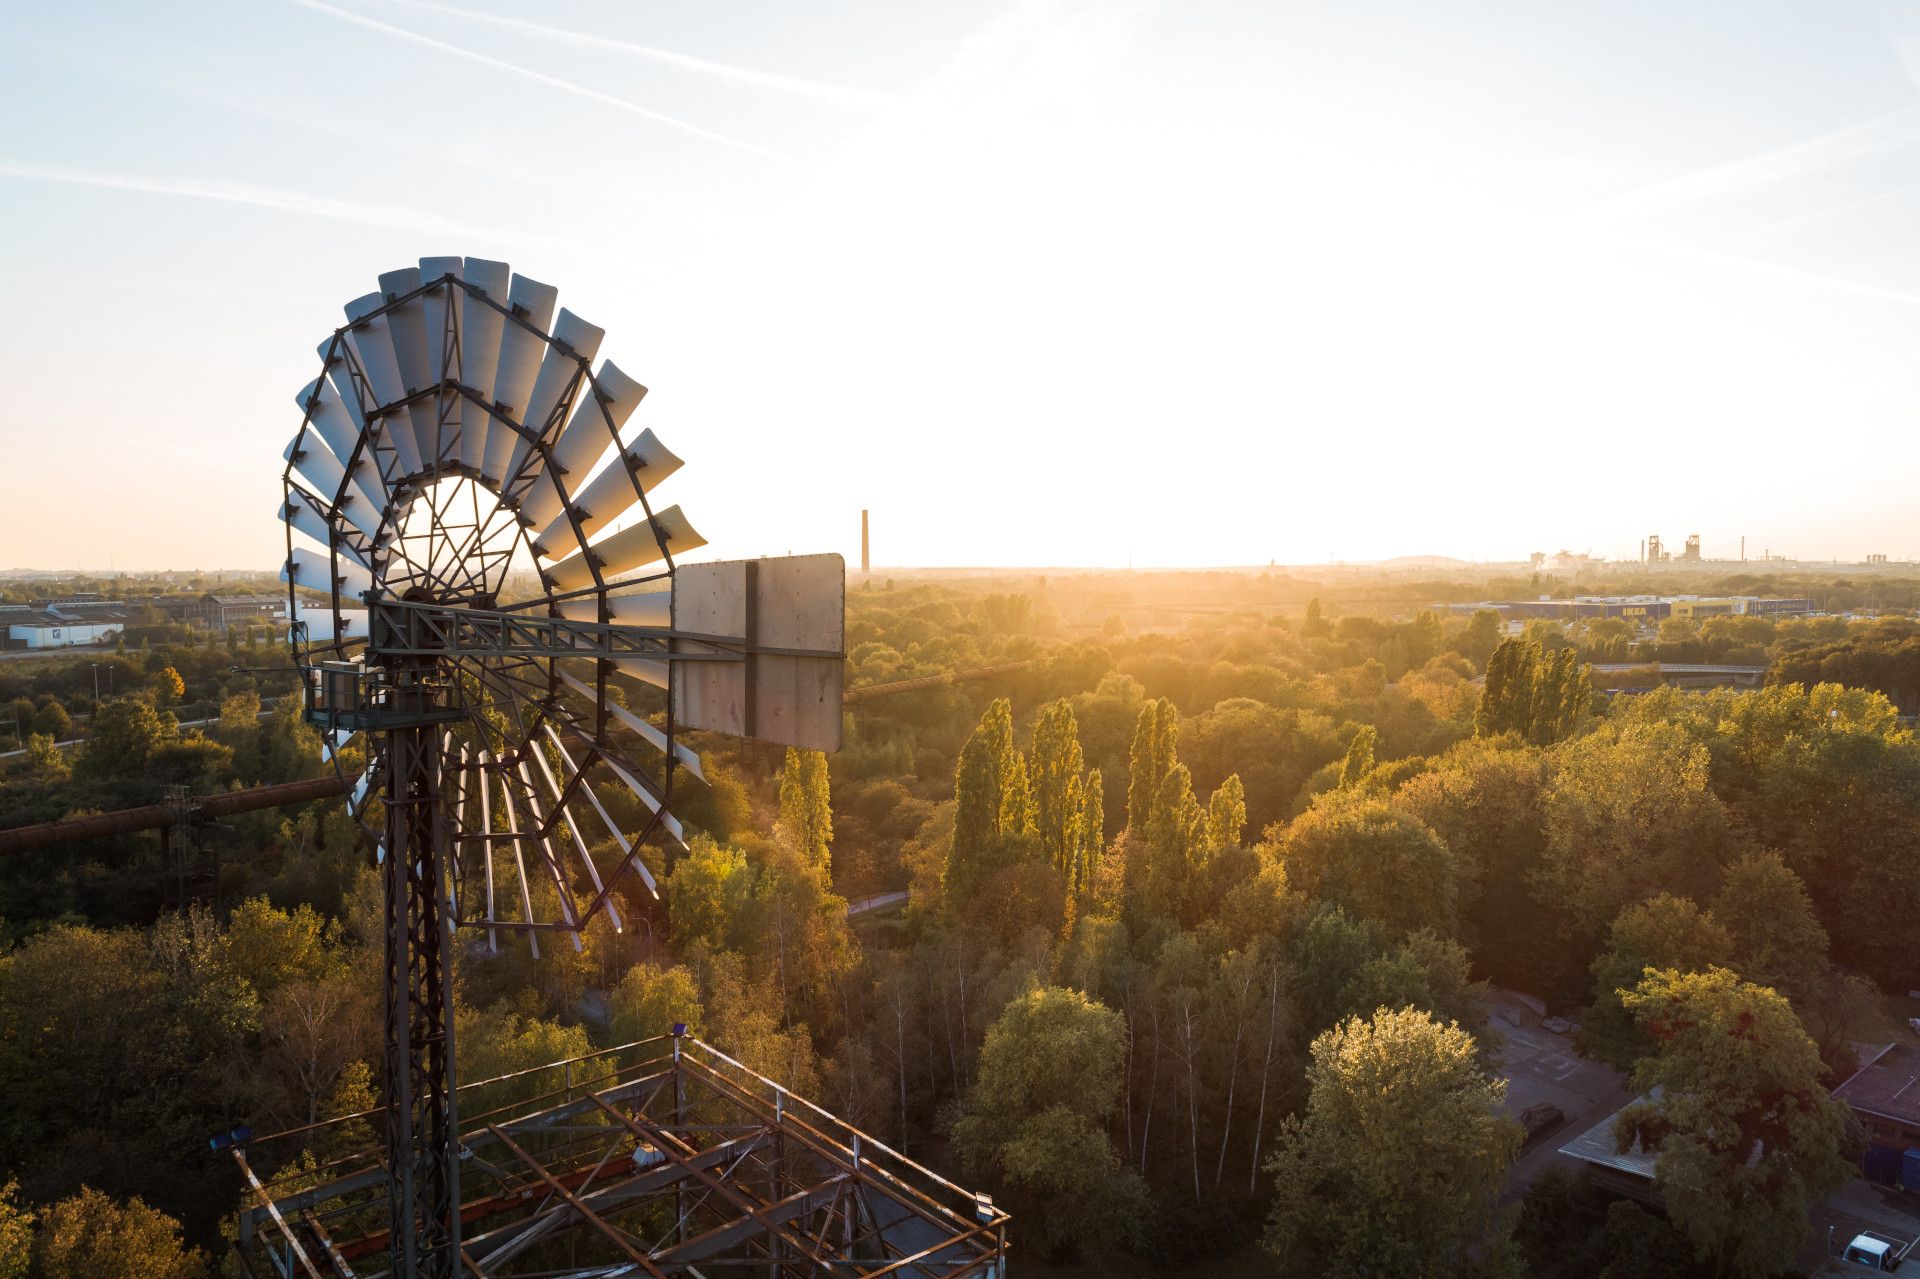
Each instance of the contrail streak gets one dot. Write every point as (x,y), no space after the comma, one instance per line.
(541,77)
(395,217)
(1770,270)
(744,76)
(1857,141)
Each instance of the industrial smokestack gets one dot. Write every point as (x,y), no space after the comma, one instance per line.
(866,558)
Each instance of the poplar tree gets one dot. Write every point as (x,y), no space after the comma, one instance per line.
(806,806)
(1226,815)
(1175,833)
(978,782)
(1359,760)
(1493,693)
(1141,779)
(1055,769)
(1016,797)
(1093,827)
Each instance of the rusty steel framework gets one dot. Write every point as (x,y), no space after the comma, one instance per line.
(664,1157)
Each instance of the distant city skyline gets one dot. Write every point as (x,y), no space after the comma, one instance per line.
(1068,283)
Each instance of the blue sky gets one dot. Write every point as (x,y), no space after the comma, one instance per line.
(1040,283)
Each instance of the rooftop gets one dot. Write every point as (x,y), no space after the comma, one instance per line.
(1888,1084)
(1596,1146)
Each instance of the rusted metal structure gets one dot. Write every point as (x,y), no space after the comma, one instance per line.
(125,821)
(663,1157)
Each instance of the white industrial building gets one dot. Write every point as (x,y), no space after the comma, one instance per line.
(61,625)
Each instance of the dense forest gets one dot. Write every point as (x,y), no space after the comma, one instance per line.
(1208,895)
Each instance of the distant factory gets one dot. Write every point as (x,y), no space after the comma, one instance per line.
(1638,608)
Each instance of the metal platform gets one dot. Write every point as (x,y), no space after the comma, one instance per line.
(663,1157)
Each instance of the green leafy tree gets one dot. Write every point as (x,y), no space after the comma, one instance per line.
(1359,760)
(45,761)
(1746,1140)
(1776,939)
(1661,932)
(53,721)
(1397,1162)
(1480,638)
(168,687)
(1154,752)
(1543,698)
(500,1041)
(1485,801)
(1372,861)
(16,1233)
(1093,829)
(710,891)
(1506,702)
(1328,953)
(992,820)
(649,1000)
(125,736)
(742,1018)
(1035,1121)
(1431,973)
(806,806)
(1055,771)
(89,1236)
(1226,815)
(1630,814)
(1175,839)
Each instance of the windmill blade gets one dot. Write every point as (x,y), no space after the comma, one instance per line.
(480,333)
(541,820)
(606,819)
(515,368)
(631,549)
(651,607)
(486,843)
(520,863)
(309,569)
(357,797)
(407,331)
(644,793)
(321,402)
(440,438)
(370,338)
(337,365)
(557,795)
(315,463)
(330,743)
(308,516)
(647,732)
(324,627)
(580,445)
(575,343)
(611,493)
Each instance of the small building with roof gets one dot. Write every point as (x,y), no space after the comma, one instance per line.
(1628,1172)
(1885,1095)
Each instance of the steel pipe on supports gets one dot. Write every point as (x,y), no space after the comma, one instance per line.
(125,821)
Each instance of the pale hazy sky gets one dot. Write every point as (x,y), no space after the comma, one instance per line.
(1194,282)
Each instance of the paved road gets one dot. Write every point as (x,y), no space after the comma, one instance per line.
(884,901)
(78,650)
(1860,1205)
(1538,1066)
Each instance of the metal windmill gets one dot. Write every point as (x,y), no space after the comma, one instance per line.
(526,750)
